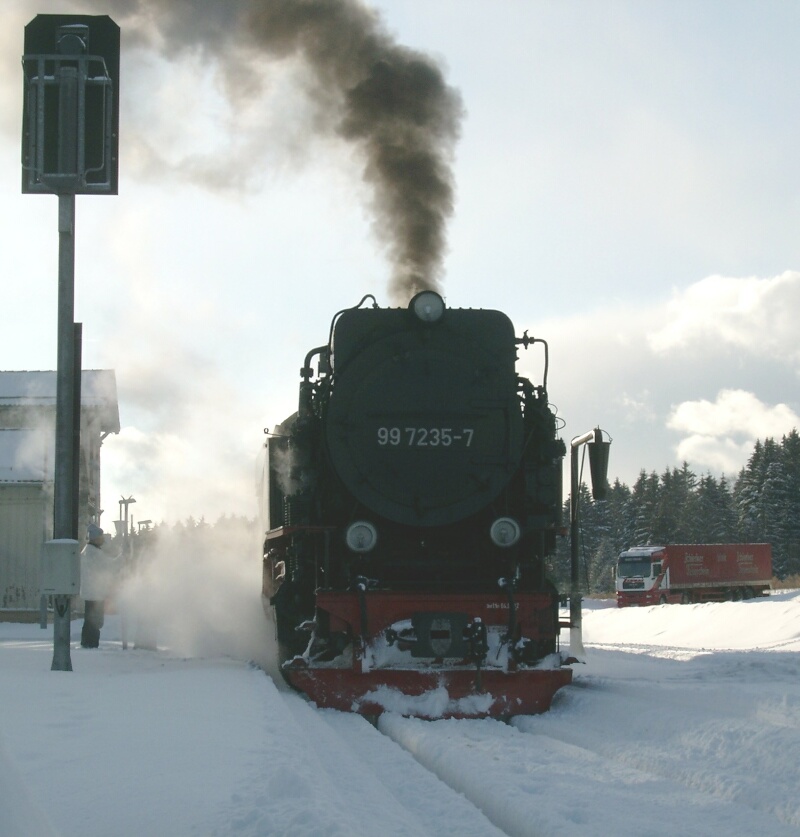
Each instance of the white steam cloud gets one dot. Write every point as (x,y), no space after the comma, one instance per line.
(197,593)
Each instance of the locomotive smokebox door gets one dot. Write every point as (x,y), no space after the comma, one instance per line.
(424,427)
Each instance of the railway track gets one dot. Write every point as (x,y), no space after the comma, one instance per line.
(565,773)
(383,789)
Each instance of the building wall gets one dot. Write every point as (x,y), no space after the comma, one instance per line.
(23,530)
(27,453)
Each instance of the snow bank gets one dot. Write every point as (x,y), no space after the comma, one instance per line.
(684,719)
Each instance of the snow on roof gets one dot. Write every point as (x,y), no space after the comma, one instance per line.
(38,388)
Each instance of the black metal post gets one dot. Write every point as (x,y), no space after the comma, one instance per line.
(63,496)
(55,137)
(64,501)
(592,438)
(575,613)
(127,547)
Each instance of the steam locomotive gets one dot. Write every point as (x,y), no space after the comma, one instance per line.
(409,507)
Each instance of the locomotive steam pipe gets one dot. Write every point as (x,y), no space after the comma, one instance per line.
(306,386)
(526,341)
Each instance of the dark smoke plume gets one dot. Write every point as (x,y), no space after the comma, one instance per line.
(390,102)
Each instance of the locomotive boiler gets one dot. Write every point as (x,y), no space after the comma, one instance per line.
(410,505)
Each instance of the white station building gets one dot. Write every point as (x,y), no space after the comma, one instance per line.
(27,454)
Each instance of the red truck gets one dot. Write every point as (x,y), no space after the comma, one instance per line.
(697,572)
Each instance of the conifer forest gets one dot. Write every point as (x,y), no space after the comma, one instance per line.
(762,505)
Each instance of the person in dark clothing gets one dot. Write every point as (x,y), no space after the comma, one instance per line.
(98,572)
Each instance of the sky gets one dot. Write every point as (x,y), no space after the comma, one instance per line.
(682,719)
(624,184)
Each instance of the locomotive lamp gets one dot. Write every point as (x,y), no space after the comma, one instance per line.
(598,464)
(427,306)
(361,536)
(504,532)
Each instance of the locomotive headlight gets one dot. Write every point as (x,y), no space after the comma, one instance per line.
(504,531)
(427,306)
(361,536)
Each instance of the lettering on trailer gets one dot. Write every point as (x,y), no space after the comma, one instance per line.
(746,563)
(500,605)
(694,565)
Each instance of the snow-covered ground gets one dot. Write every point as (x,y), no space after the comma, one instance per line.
(683,720)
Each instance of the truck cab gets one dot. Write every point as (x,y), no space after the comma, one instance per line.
(642,577)
(695,572)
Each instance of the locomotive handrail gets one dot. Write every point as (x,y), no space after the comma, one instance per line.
(339,314)
(526,341)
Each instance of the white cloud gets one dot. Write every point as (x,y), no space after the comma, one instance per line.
(639,407)
(754,314)
(720,435)
(735,412)
(722,456)
(706,405)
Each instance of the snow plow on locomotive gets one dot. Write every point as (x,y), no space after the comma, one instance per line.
(409,508)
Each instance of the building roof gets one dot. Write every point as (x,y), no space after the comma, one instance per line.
(38,389)
(27,452)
